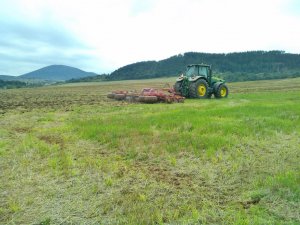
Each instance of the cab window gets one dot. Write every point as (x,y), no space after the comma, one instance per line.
(203,71)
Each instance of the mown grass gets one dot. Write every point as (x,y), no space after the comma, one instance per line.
(229,161)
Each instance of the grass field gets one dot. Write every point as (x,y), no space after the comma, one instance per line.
(68,155)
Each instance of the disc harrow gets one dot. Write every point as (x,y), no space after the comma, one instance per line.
(147,95)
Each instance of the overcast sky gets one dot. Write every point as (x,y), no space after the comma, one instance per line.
(103,35)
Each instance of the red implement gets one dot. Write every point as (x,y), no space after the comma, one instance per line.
(148,95)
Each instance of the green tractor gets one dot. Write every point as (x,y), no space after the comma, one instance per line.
(198,82)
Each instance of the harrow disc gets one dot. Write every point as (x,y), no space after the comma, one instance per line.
(119,96)
(148,99)
(111,95)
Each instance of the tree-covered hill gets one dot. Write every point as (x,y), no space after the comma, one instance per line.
(238,66)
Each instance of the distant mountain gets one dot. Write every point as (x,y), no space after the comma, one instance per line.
(57,73)
(238,66)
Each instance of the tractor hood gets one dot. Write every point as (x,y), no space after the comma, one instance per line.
(216,79)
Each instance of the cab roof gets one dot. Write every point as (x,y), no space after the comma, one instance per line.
(201,64)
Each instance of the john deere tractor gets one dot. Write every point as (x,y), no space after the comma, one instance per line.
(198,82)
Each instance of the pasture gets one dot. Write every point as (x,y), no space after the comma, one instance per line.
(69,155)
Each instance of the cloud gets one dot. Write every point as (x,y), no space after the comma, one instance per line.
(138,7)
(171,27)
(133,31)
(103,35)
(21,33)
(27,44)
(293,7)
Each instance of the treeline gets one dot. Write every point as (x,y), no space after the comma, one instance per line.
(12,84)
(101,77)
(241,66)
(232,77)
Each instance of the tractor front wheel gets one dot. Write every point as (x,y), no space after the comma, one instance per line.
(177,87)
(222,91)
(199,89)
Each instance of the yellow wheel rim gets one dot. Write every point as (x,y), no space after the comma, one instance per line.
(223,91)
(202,90)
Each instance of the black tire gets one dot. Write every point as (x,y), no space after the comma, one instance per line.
(222,91)
(177,87)
(199,89)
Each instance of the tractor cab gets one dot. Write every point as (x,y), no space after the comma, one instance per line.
(198,70)
(195,71)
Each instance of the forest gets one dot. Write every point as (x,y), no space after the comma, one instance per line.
(239,66)
(11,84)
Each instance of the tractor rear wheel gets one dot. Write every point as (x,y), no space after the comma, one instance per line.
(177,87)
(199,89)
(222,91)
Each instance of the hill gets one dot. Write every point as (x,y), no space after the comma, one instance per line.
(57,73)
(240,66)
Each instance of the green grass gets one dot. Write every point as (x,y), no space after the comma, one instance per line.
(89,160)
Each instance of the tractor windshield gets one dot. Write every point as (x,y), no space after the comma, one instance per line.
(203,71)
(191,71)
(196,71)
